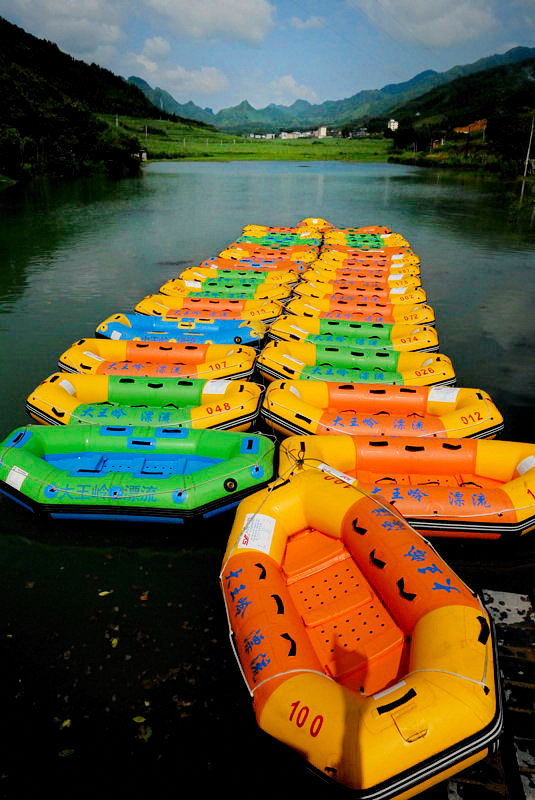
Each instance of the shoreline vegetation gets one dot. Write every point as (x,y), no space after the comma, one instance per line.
(151,140)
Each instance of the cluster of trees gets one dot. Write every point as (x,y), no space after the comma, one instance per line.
(50,102)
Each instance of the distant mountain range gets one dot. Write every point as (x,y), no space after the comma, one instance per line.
(301,114)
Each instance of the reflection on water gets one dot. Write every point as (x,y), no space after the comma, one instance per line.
(83,665)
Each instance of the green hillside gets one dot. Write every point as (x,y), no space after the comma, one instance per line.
(50,103)
(503,96)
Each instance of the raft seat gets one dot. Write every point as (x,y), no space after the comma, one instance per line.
(353,635)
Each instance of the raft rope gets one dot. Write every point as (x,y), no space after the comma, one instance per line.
(298,462)
(328,428)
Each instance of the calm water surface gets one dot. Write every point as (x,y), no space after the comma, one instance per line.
(119,671)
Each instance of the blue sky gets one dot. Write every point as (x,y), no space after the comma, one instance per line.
(220,52)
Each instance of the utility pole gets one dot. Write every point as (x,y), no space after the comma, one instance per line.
(527,157)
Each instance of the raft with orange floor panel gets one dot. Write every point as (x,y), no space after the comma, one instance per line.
(306,361)
(256,254)
(353,296)
(317,330)
(329,283)
(158,359)
(459,488)
(267,265)
(361,648)
(420,313)
(173,307)
(134,400)
(354,258)
(354,270)
(356,409)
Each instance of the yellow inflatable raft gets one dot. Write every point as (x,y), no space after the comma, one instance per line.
(420,313)
(302,360)
(353,295)
(356,409)
(242,289)
(362,281)
(134,400)
(158,359)
(204,274)
(172,306)
(360,647)
(467,488)
(318,330)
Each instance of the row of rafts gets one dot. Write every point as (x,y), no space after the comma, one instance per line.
(360,647)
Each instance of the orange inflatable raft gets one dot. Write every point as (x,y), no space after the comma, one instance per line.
(354,296)
(471,488)
(360,647)
(419,313)
(357,409)
(172,306)
(380,279)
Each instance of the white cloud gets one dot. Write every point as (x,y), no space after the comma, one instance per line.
(241,20)
(157,66)
(157,47)
(88,29)
(286,89)
(434,23)
(181,82)
(307,24)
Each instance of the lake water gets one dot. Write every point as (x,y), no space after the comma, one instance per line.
(118,672)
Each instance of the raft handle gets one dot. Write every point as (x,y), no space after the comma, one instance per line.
(405,595)
(377,562)
(396,703)
(449,446)
(413,448)
(485,630)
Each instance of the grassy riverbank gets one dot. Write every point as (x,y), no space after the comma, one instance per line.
(162,139)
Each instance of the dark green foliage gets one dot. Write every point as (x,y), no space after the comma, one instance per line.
(504,96)
(49,103)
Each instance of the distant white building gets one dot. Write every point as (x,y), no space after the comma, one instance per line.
(321,132)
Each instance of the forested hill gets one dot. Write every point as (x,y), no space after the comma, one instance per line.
(503,96)
(48,106)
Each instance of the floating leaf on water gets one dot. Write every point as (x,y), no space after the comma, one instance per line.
(67,752)
(105,592)
(66,723)
(144,596)
(114,641)
(139,719)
